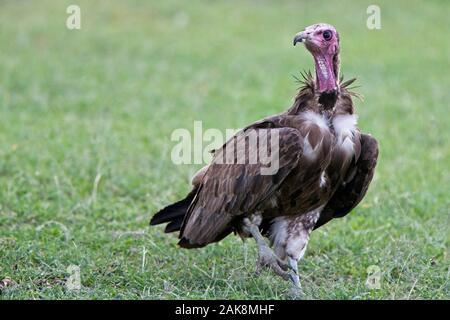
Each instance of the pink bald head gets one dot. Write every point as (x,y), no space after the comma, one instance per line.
(322,40)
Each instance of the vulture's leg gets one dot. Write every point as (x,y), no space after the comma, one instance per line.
(290,236)
(266,256)
(293,265)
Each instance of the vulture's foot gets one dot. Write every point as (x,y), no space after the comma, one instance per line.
(296,293)
(266,256)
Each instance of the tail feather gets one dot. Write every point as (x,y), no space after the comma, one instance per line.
(174,225)
(174,213)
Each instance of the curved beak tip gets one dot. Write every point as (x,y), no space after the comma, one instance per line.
(299,37)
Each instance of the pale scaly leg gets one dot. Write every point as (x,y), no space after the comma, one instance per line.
(296,244)
(297,290)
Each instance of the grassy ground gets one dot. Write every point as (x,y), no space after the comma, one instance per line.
(85,125)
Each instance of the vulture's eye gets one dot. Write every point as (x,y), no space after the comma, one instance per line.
(327,35)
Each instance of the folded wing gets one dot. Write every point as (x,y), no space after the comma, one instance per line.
(235,183)
(359,176)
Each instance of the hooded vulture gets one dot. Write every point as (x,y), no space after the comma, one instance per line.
(324,167)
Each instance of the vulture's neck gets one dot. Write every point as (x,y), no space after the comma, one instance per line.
(326,85)
(325,73)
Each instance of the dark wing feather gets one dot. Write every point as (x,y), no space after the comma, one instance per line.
(229,190)
(174,213)
(349,195)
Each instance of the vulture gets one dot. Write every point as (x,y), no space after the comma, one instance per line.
(324,165)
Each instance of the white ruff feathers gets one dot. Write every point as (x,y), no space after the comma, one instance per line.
(345,126)
(313,118)
(316,119)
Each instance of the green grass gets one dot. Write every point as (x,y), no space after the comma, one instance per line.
(103,101)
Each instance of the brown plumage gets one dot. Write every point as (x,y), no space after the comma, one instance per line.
(324,167)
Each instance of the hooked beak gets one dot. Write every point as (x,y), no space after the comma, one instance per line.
(300,37)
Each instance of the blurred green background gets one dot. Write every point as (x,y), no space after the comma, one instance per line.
(85,123)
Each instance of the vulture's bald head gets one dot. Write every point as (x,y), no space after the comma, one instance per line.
(319,38)
(322,40)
